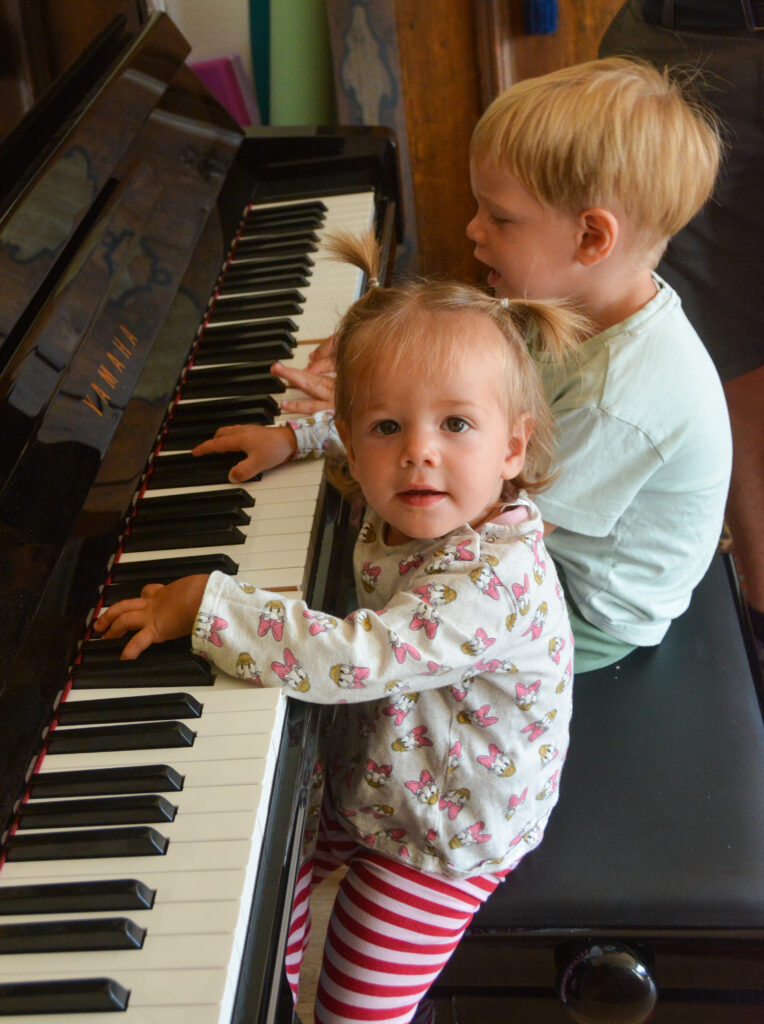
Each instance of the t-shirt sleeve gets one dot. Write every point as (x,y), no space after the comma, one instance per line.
(602,462)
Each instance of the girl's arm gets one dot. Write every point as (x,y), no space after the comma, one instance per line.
(160,613)
(417,641)
(265,447)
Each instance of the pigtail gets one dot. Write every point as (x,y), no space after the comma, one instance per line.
(552,330)
(360,251)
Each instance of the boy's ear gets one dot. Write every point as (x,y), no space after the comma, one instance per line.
(597,234)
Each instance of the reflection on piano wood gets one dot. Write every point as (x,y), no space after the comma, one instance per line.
(149,868)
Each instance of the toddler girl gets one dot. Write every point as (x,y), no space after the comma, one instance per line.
(453,677)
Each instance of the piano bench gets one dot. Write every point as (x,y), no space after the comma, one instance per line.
(649,885)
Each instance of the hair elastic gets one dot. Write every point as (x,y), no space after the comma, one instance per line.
(504,303)
(373,282)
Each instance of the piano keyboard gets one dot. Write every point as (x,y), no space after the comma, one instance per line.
(142,833)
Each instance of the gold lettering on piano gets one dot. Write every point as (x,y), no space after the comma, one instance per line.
(109,373)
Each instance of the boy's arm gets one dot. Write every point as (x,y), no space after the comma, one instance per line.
(317,382)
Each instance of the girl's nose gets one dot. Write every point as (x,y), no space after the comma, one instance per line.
(419,449)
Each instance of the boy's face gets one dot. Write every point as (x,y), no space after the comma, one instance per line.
(432,455)
(530,248)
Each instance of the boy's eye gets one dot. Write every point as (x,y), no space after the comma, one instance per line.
(386,427)
(456,425)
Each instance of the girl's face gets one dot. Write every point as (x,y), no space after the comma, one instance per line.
(432,453)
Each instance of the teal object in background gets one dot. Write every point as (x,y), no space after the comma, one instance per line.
(260,43)
(301,71)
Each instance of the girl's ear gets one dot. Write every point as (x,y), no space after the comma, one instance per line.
(519,436)
(596,236)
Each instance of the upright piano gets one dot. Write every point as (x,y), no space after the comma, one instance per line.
(155,260)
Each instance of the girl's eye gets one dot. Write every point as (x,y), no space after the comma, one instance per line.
(386,427)
(456,425)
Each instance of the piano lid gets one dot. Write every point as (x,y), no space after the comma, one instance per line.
(94,244)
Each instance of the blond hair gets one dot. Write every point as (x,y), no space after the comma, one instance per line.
(420,324)
(611,131)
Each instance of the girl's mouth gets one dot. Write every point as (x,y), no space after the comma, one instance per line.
(420,497)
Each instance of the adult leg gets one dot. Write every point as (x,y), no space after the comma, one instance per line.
(391,932)
(745,506)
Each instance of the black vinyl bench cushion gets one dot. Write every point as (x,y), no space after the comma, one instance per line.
(660,822)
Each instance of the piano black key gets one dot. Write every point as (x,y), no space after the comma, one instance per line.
(194,413)
(243,351)
(252,310)
(153,778)
(185,470)
(137,841)
(174,506)
(75,936)
(242,278)
(135,736)
(291,245)
(263,236)
(252,265)
(280,250)
(121,810)
(256,301)
(147,707)
(239,380)
(76,897)
(283,222)
(98,650)
(165,570)
(73,995)
(209,531)
(308,208)
(145,671)
(284,326)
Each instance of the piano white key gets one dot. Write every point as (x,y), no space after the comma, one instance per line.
(211,884)
(232,723)
(190,918)
(214,701)
(199,856)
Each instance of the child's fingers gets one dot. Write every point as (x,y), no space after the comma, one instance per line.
(122,620)
(315,385)
(324,351)
(224,440)
(305,406)
(321,366)
(109,617)
(137,644)
(247,469)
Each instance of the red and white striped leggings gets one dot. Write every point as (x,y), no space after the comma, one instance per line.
(391,931)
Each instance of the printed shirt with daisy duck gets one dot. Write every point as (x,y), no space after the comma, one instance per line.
(456,678)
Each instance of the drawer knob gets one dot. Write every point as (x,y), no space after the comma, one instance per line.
(607,983)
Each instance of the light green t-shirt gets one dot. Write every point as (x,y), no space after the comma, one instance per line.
(645,452)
